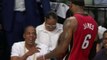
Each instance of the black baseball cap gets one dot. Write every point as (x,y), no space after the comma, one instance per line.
(78,2)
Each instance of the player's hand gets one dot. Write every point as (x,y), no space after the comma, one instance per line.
(33,50)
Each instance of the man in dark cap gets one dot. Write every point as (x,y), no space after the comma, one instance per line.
(79,32)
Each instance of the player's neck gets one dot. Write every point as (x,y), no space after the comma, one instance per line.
(81,11)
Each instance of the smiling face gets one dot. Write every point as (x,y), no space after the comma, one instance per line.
(30,35)
(50,21)
(105,40)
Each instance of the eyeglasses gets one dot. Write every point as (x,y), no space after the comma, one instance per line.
(50,26)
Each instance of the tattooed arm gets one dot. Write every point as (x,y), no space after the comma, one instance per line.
(65,38)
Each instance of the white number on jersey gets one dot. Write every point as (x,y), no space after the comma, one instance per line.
(86,41)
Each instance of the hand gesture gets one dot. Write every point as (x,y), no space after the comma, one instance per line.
(33,50)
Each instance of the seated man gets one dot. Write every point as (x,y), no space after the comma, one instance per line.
(28,49)
(48,32)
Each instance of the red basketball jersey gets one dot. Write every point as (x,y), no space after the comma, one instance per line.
(83,38)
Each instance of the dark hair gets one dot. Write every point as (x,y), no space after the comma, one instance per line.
(25,28)
(104,32)
(78,2)
(51,14)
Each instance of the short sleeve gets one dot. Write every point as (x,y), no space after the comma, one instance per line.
(15,50)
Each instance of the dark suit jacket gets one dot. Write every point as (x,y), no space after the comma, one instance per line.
(32,13)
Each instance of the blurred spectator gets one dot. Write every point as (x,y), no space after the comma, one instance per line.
(48,32)
(100,36)
(102,54)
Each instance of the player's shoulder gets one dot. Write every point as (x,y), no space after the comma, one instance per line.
(72,20)
(71,23)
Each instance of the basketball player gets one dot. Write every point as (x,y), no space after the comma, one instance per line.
(81,30)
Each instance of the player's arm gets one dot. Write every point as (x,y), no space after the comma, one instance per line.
(65,38)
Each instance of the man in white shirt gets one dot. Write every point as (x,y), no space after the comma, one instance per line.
(28,49)
(48,32)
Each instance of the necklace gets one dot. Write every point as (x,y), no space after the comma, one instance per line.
(25,52)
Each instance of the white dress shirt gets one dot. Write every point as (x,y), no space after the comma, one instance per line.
(18,49)
(49,38)
(19,5)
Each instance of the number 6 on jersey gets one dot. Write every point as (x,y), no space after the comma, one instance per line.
(86,41)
